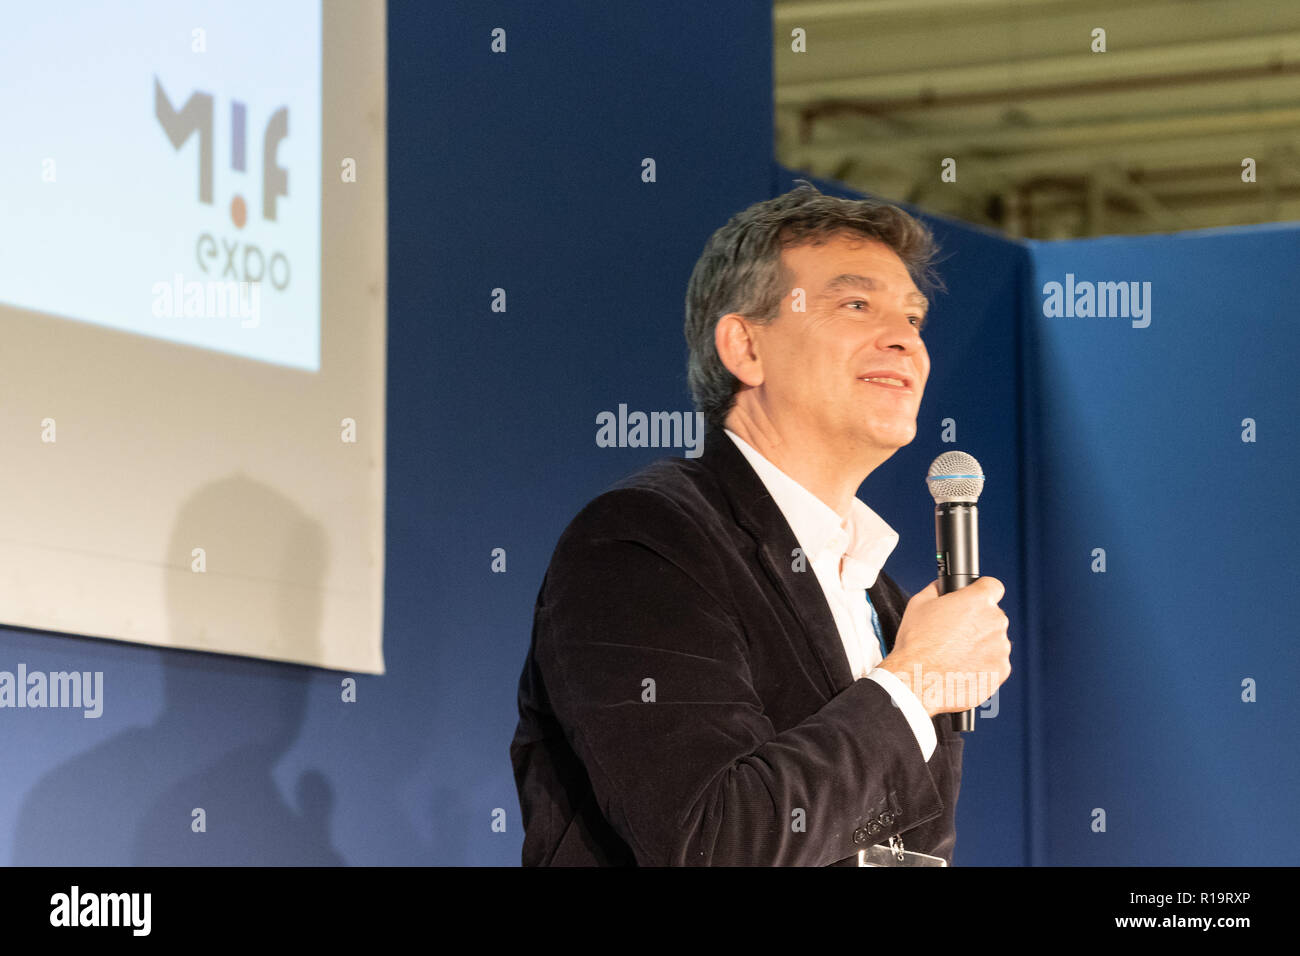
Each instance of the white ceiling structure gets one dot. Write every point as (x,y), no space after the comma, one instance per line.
(1050,139)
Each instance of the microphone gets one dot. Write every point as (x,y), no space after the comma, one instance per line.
(955,482)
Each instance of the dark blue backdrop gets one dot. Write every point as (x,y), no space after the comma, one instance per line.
(523,172)
(1136,448)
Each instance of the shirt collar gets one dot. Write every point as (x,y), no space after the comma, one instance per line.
(864,539)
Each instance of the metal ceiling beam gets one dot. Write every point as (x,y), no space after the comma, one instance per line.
(1124,129)
(1017,94)
(1084,72)
(793,14)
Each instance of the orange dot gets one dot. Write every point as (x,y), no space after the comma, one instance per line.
(238,212)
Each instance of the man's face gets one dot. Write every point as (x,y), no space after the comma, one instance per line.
(863,318)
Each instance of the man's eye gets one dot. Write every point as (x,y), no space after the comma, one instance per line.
(857,302)
(919,320)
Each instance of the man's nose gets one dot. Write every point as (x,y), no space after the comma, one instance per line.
(900,333)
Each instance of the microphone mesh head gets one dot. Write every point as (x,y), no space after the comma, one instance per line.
(955,476)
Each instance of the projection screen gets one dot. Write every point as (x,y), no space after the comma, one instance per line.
(193,325)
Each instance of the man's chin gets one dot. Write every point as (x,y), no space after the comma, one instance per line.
(878,449)
(889,439)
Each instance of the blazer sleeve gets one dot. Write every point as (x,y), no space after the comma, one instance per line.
(648,673)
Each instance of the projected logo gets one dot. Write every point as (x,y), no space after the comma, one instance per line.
(243,261)
(181,189)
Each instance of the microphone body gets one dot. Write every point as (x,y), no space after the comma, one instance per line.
(957,553)
(955,482)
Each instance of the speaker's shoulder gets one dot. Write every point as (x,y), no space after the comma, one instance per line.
(672,498)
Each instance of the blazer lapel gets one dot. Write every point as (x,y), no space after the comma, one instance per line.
(802,593)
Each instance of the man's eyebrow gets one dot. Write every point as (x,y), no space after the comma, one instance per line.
(850,280)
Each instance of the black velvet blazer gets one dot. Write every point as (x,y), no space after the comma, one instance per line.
(686,699)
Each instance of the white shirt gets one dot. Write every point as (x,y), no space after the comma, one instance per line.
(847,555)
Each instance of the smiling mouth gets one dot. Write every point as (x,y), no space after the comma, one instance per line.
(894,383)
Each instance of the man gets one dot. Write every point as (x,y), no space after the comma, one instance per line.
(705,684)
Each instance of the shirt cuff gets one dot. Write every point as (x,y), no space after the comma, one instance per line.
(910,705)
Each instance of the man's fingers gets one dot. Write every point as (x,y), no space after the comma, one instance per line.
(995,587)
(927,593)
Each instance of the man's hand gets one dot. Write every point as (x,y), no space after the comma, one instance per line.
(961,634)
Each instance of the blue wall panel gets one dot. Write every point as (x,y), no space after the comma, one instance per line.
(1137,448)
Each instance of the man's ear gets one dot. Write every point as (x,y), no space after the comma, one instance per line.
(734,340)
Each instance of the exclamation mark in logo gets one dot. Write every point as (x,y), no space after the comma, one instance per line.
(238,122)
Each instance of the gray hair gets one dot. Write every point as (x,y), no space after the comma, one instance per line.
(740,271)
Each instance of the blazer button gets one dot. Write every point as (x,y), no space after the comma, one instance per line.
(886,818)
(860,835)
(873,827)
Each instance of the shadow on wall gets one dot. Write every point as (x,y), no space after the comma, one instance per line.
(226,720)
